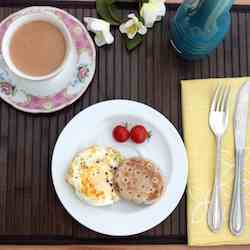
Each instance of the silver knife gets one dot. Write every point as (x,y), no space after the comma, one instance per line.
(237,214)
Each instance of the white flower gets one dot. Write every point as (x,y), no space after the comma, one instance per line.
(153,11)
(101,29)
(132,26)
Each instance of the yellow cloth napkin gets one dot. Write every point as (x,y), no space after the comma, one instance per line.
(200,143)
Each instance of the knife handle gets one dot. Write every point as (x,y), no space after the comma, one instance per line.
(237,215)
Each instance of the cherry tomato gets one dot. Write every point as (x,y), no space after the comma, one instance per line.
(121,133)
(139,134)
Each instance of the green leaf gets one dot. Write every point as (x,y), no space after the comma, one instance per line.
(108,11)
(141,19)
(141,2)
(115,13)
(135,42)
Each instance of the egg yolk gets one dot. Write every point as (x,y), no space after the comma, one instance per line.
(95,182)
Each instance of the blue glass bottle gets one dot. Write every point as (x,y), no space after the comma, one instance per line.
(199,26)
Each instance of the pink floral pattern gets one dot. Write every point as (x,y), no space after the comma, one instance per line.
(6,88)
(85,70)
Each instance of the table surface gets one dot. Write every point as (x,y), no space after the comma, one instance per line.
(121,247)
(13,162)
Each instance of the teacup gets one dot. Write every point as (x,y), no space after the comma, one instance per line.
(40,85)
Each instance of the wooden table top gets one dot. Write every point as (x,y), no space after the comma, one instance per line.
(120,247)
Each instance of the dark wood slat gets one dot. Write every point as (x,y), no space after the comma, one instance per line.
(27,171)
(11,177)
(213,65)
(44,182)
(149,60)
(242,44)
(102,64)
(247,43)
(36,167)
(62,222)
(110,72)
(19,173)
(118,65)
(142,52)
(4,133)
(134,82)
(228,54)
(220,60)
(52,215)
(125,68)
(235,44)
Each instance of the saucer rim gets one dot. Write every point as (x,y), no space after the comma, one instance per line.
(92,72)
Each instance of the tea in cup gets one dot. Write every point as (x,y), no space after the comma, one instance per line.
(37,47)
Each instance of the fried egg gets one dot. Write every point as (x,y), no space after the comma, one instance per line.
(91,175)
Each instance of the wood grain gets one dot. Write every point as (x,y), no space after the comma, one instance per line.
(30,210)
(123,247)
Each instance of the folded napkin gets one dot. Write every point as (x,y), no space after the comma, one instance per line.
(200,143)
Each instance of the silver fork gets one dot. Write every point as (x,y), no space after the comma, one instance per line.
(218,120)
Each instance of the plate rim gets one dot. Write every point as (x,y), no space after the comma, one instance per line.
(173,131)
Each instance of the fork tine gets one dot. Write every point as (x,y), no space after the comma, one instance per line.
(227,101)
(214,101)
(224,102)
(220,98)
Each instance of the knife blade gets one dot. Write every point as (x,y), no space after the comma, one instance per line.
(237,213)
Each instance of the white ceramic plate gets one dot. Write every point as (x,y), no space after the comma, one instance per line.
(94,126)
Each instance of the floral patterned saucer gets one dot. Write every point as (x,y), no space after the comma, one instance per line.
(84,71)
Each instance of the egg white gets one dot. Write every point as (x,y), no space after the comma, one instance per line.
(89,170)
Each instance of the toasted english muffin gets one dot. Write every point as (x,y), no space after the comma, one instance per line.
(139,181)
